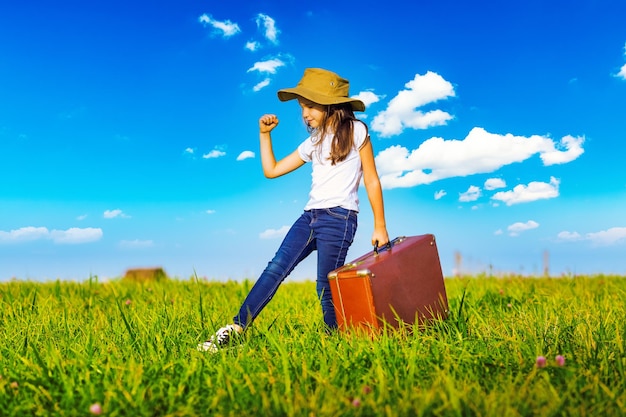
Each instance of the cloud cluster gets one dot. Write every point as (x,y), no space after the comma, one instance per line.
(402,110)
(274,233)
(268,68)
(516,228)
(526,193)
(368,97)
(266,25)
(215,153)
(112,214)
(612,236)
(472,194)
(494,184)
(480,152)
(440,194)
(245,155)
(521,193)
(224,28)
(73,235)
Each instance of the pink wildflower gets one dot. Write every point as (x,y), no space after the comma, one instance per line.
(560,360)
(356,402)
(128,302)
(96,409)
(541,361)
(367,389)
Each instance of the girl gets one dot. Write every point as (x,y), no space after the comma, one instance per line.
(340,151)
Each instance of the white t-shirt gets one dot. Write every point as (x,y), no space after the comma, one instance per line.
(334,185)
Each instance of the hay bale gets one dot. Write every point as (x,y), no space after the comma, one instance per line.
(145,274)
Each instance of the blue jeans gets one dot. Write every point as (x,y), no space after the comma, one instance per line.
(329,231)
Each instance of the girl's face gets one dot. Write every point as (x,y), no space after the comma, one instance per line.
(312,113)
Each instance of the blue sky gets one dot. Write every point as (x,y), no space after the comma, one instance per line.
(129,131)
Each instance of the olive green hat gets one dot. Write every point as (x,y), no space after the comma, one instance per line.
(322,87)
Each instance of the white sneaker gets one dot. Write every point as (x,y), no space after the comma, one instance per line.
(224,337)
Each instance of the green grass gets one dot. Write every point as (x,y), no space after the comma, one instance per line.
(132,348)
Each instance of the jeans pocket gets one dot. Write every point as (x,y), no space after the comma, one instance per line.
(339,212)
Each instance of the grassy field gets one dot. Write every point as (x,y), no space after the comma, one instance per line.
(127,349)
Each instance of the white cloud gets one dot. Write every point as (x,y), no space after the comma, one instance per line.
(609,237)
(210,212)
(494,183)
(72,235)
(81,217)
(136,244)
(111,214)
(402,113)
(368,97)
(252,46)
(569,236)
(261,85)
(75,235)
(24,234)
(526,193)
(215,153)
(479,152)
(516,228)
(245,155)
(274,233)
(225,28)
(472,194)
(190,151)
(269,27)
(573,149)
(270,66)
(440,194)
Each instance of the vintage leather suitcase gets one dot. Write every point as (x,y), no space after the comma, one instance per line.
(400,284)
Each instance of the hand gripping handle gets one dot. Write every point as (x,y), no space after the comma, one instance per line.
(378,249)
(387,245)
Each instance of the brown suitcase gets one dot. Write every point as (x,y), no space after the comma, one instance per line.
(401,283)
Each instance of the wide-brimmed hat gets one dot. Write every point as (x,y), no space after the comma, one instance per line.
(322,87)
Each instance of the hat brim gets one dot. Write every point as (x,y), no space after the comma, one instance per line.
(287,94)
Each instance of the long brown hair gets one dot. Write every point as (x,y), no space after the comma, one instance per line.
(339,120)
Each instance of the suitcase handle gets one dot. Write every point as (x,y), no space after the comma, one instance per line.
(388,245)
(382,248)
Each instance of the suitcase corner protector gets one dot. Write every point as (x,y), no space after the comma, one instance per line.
(359,272)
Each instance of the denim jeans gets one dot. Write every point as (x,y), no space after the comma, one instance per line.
(329,231)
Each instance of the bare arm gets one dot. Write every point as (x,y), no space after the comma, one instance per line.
(271,167)
(374,193)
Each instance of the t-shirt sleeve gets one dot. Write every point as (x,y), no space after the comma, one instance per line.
(306,150)
(360,134)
